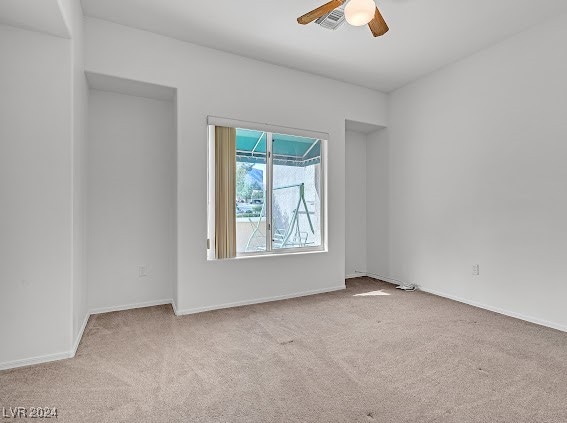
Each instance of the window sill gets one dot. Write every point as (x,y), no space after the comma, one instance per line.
(286,252)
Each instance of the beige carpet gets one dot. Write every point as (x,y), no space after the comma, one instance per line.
(402,357)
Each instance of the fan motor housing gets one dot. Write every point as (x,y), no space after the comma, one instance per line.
(333,19)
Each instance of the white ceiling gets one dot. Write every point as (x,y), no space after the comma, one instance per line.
(36,15)
(424,34)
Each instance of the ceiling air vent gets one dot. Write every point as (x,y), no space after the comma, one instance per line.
(333,19)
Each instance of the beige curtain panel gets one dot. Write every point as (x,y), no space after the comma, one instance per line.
(225,192)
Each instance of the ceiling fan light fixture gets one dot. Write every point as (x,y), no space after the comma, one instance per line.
(359,12)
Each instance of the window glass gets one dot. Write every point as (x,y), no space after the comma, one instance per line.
(250,191)
(296,204)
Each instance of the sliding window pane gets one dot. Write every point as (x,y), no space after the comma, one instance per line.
(250,191)
(296,196)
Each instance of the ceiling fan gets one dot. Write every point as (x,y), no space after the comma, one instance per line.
(357,13)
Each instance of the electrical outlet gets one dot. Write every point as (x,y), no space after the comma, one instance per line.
(142,271)
(476,270)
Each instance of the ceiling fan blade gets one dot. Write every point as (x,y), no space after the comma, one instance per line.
(320,11)
(378,25)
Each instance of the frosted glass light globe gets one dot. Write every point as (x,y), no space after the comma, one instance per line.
(360,12)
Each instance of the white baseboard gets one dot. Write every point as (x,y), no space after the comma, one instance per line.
(70,354)
(257,301)
(35,360)
(49,357)
(110,309)
(498,310)
(174,307)
(355,275)
(80,334)
(359,274)
(384,279)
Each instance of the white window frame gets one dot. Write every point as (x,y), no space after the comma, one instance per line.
(323,138)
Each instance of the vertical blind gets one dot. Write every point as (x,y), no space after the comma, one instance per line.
(225,192)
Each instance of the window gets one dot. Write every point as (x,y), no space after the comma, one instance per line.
(266,190)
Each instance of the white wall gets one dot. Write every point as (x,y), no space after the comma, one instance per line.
(367,249)
(36,195)
(210,82)
(377,205)
(355,196)
(478,172)
(73,16)
(131,200)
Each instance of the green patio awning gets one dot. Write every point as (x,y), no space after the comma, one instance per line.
(288,150)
